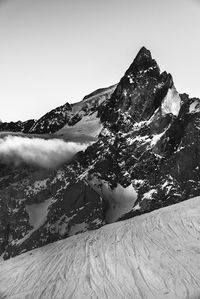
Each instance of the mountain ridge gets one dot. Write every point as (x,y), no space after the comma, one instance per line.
(144,156)
(57,118)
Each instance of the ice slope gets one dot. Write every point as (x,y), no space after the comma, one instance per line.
(87,129)
(98,96)
(156,255)
(120,200)
(171,103)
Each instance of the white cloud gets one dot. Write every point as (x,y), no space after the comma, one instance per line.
(36,151)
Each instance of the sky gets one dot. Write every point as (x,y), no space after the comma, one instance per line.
(57,51)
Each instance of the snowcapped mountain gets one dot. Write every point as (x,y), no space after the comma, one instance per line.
(155,255)
(144,155)
(65,116)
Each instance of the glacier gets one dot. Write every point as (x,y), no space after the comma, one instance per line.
(154,255)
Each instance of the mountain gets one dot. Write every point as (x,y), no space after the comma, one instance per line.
(62,119)
(144,155)
(18,126)
(155,255)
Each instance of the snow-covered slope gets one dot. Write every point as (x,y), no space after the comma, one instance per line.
(66,115)
(86,129)
(94,99)
(155,255)
(85,124)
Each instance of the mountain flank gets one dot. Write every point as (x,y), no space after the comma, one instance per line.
(143,155)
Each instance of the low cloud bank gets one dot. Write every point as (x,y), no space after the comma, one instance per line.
(38,152)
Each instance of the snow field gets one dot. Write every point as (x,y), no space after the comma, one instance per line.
(156,255)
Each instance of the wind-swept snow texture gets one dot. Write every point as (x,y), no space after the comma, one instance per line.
(156,255)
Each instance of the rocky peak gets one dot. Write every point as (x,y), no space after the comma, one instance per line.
(139,93)
(143,63)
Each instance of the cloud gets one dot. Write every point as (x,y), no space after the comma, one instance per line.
(36,151)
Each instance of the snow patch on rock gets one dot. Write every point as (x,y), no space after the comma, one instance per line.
(38,213)
(156,138)
(194,107)
(120,199)
(148,195)
(171,103)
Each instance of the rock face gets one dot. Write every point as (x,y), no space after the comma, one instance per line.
(146,156)
(53,120)
(18,126)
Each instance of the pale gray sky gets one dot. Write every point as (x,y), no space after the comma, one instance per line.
(53,51)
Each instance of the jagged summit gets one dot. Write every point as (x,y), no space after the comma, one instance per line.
(139,93)
(144,51)
(143,62)
(143,54)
